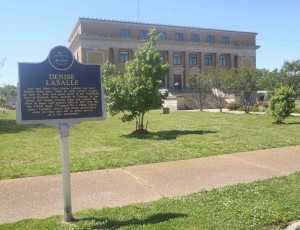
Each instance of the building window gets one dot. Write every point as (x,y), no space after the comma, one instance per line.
(193,59)
(163,58)
(225,40)
(124,56)
(208,60)
(195,38)
(125,33)
(211,39)
(179,36)
(163,36)
(222,60)
(176,59)
(143,34)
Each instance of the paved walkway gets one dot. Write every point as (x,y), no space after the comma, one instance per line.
(42,196)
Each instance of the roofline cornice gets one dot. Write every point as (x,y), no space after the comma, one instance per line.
(162,25)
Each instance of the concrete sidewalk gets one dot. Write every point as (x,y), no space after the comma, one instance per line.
(37,197)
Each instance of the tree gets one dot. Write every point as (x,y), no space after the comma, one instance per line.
(2,61)
(8,91)
(219,81)
(281,103)
(268,79)
(288,75)
(292,74)
(246,82)
(2,102)
(200,88)
(136,92)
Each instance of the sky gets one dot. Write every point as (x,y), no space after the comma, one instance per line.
(31,28)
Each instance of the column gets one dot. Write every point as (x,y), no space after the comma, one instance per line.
(187,59)
(116,56)
(232,60)
(202,64)
(133,51)
(187,68)
(217,59)
(171,77)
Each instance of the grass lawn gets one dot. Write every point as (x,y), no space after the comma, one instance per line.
(269,204)
(33,150)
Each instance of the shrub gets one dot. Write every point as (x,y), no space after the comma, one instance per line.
(262,106)
(253,108)
(281,103)
(233,106)
(296,110)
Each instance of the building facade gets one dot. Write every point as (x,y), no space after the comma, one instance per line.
(188,50)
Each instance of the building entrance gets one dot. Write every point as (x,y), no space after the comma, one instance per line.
(177,82)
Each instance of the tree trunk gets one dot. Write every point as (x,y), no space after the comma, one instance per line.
(142,122)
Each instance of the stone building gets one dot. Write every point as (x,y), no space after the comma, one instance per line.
(188,50)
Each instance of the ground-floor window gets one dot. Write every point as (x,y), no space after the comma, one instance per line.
(193,59)
(208,60)
(222,60)
(124,56)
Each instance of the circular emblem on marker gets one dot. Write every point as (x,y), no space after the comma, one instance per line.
(61,58)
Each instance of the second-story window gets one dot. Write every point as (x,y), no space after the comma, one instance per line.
(124,56)
(143,34)
(222,60)
(195,38)
(211,39)
(193,59)
(162,35)
(176,59)
(125,33)
(208,60)
(225,40)
(179,36)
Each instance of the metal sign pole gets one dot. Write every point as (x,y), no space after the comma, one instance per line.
(64,150)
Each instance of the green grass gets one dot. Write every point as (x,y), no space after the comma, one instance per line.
(269,204)
(34,150)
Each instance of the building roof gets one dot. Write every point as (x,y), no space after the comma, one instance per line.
(163,25)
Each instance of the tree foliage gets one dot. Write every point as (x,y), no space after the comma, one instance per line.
(2,61)
(2,102)
(288,75)
(8,91)
(220,82)
(281,103)
(200,88)
(246,84)
(292,74)
(269,80)
(136,92)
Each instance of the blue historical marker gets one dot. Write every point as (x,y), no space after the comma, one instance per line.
(60,91)
(59,88)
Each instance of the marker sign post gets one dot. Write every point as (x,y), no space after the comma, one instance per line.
(60,92)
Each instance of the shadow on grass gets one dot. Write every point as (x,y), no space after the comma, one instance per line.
(167,134)
(107,223)
(11,126)
(293,123)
